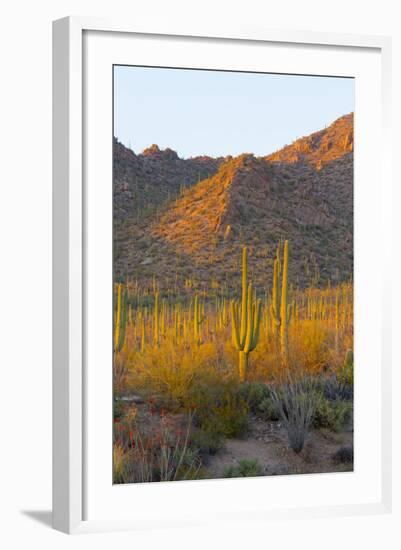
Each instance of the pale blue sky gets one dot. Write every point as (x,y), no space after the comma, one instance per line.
(222,113)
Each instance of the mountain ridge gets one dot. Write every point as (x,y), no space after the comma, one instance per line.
(303,192)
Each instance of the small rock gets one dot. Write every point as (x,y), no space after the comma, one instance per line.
(137,399)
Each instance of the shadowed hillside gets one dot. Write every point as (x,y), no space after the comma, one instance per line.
(143,182)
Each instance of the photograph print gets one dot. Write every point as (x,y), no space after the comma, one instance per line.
(232,274)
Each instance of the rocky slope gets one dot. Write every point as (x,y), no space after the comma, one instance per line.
(145,181)
(193,236)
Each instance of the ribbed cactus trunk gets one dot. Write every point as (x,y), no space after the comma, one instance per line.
(156,320)
(121,319)
(243,365)
(143,335)
(284,313)
(117,323)
(275,300)
(244,298)
(282,317)
(337,320)
(198,319)
(245,336)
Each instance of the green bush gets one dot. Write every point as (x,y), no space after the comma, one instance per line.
(337,388)
(259,399)
(346,375)
(207,442)
(248,467)
(331,415)
(254,393)
(219,409)
(268,409)
(119,408)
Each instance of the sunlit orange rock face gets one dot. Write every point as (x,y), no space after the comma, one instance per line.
(321,147)
(189,218)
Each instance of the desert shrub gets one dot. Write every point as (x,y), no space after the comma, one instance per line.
(247,467)
(335,388)
(296,403)
(120,372)
(254,393)
(119,408)
(153,453)
(331,415)
(309,346)
(259,399)
(172,372)
(268,409)
(344,455)
(119,463)
(207,442)
(346,374)
(219,409)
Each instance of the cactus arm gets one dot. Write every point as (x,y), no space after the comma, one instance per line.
(143,335)
(284,291)
(244,312)
(196,317)
(156,319)
(274,307)
(284,305)
(273,314)
(118,315)
(123,328)
(250,318)
(289,312)
(256,324)
(234,325)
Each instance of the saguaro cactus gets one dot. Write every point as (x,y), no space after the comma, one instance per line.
(337,320)
(143,335)
(120,324)
(198,319)
(275,304)
(282,318)
(245,322)
(156,335)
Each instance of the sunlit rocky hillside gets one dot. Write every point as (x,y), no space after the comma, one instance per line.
(185,221)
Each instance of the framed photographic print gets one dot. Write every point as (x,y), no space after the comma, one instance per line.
(220,331)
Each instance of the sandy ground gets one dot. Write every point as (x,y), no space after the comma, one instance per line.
(267,442)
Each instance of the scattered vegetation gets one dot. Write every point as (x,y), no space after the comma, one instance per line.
(214,324)
(245,468)
(296,404)
(331,415)
(344,455)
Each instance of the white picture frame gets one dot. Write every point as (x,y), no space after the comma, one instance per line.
(70,284)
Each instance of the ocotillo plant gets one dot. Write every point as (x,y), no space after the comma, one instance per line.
(282,319)
(121,319)
(245,323)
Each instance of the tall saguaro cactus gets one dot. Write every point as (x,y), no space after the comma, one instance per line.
(282,317)
(120,324)
(245,320)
